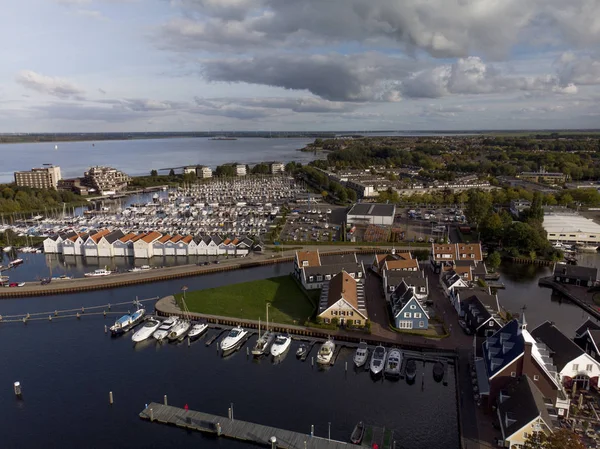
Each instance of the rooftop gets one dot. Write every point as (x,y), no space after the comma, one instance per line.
(373,209)
(565,223)
(342,285)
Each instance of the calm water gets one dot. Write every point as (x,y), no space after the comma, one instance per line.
(138,157)
(68,367)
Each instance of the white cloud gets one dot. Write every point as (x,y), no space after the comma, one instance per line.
(48,85)
(91,14)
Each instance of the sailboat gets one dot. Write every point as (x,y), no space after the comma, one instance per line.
(179,331)
(264,341)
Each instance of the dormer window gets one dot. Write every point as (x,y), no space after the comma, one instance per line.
(472,256)
(305,263)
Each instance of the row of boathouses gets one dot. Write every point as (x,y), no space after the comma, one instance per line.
(144,245)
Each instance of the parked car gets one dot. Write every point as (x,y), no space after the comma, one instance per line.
(46,281)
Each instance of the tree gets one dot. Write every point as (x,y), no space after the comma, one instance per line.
(478,206)
(492,227)
(351,194)
(559,439)
(172,172)
(153,173)
(493,260)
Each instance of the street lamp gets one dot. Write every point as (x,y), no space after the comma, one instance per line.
(184,289)
(329,431)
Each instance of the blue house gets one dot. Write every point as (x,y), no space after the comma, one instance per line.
(407,310)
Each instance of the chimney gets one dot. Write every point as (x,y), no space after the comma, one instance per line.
(527,367)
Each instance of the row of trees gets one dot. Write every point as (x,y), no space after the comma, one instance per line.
(25,199)
(320,180)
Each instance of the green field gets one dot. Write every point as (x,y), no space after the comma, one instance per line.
(289,304)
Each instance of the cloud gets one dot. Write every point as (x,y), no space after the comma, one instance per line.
(578,69)
(442,28)
(91,14)
(56,87)
(360,77)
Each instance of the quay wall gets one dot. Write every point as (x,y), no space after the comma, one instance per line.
(575,296)
(78,285)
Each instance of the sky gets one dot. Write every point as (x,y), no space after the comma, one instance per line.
(219,65)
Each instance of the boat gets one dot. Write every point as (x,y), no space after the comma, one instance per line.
(137,316)
(120,325)
(146,330)
(393,363)
(223,138)
(161,333)
(587,248)
(438,371)
(378,360)
(233,339)
(264,341)
(361,354)
(326,352)
(411,369)
(301,350)
(99,272)
(358,433)
(14,263)
(178,331)
(7,249)
(197,330)
(280,345)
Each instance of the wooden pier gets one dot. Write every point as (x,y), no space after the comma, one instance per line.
(236,429)
(576,294)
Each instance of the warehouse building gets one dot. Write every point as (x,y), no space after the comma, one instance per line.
(367,213)
(571,228)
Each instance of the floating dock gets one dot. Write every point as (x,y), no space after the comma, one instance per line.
(236,429)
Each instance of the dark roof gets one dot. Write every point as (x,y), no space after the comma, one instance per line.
(215,238)
(114,236)
(563,349)
(412,278)
(450,277)
(350,267)
(589,324)
(480,269)
(576,271)
(595,336)
(335,259)
(476,313)
(503,347)
(402,294)
(373,209)
(484,296)
(525,402)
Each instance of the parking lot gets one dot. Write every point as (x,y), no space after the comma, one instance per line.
(320,223)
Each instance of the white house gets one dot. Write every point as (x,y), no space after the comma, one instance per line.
(171,245)
(212,247)
(417,281)
(159,245)
(124,246)
(53,244)
(450,281)
(73,245)
(183,245)
(193,247)
(240,170)
(90,247)
(106,243)
(243,246)
(144,247)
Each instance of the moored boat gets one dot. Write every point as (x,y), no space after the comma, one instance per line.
(301,350)
(233,339)
(280,345)
(7,249)
(99,272)
(121,324)
(392,364)
(361,354)
(197,330)
(15,263)
(358,433)
(137,317)
(178,331)
(411,369)
(161,333)
(326,352)
(378,360)
(146,330)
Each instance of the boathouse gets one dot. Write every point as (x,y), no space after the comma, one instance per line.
(143,248)
(575,274)
(124,245)
(106,243)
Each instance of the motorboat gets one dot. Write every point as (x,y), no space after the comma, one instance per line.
(99,272)
(146,330)
(280,345)
(197,330)
(326,352)
(161,333)
(137,317)
(233,339)
(411,369)
(178,331)
(15,263)
(393,363)
(302,349)
(358,433)
(361,354)
(378,360)
(7,249)
(121,325)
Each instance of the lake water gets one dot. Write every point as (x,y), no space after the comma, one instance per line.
(67,367)
(138,157)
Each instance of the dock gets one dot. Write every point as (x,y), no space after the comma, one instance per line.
(495,284)
(236,429)
(579,295)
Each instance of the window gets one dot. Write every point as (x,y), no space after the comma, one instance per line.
(334,312)
(575,367)
(422,289)
(513,374)
(319,278)
(536,377)
(305,263)
(525,435)
(342,313)
(491,323)
(406,314)
(326,320)
(358,322)
(417,315)
(421,323)
(589,367)
(359,274)
(404,324)
(311,278)
(413,306)
(327,277)
(472,256)
(351,313)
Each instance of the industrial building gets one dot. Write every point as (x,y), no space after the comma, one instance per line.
(571,228)
(368,213)
(46,177)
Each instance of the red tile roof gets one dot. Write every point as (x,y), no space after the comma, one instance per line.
(151,236)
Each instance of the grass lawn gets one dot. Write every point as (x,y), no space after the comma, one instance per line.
(289,304)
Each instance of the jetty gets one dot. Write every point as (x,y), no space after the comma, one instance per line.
(236,429)
(574,293)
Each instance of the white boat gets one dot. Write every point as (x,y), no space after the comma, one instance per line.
(361,354)
(14,263)
(99,272)
(161,333)
(146,330)
(179,330)
(197,330)
(326,353)
(121,324)
(281,344)
(392,365)
(137,317)
(7,249)
(233,339)
(378,360)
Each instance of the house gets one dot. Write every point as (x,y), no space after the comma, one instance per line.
(240,170)
(243,246)
(106,242)
(575,274)
(587,337)
(90,247)
(377,266)
(277,167)
(572,363)
(124,245)
(159,245)
(183,246)
(204,172)
(415,280)
(512,352)
(53,244)
(450,281)
(523,410)
(408,312)
(479,311)
(192,248)
(143,248)
(444,256)
(212,244)
(313,270)
(343,297)
(171,245)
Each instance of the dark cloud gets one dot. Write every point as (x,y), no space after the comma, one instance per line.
(579,69)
